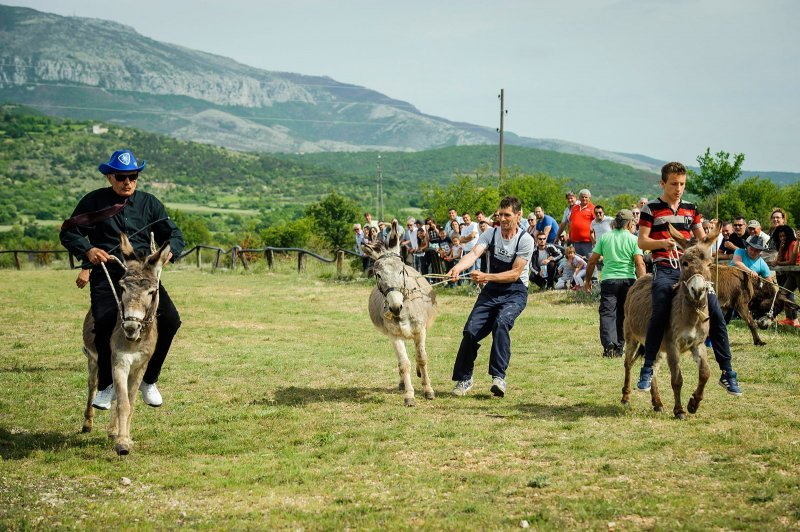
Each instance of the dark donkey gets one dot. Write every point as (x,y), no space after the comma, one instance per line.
(132,342)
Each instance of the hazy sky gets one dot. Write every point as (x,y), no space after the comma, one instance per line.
(664,78)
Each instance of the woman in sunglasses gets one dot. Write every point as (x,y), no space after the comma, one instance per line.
(92,235)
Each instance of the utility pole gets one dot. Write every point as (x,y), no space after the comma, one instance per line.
(503,112)
(380,190)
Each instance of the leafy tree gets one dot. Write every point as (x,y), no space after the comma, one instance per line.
(194,228)
(333,219)
(294,234)
(536,189)
(613,204)
(465,193)
(717,173)
(754,198)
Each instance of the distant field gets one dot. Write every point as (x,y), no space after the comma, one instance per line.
(282,412)
(203,209)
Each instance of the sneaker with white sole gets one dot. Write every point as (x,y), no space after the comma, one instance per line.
(102,401)
(150,394)
(730,382)
(498,386)
(462,387)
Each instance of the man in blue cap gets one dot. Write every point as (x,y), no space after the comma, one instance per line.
(92,235)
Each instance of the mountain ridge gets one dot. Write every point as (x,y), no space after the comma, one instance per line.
(62,64)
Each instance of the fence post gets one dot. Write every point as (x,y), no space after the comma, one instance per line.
(198,257)
(339,262)
(234,251)
(301,262)
(216,259)
(243,258)
(16,260)
(270,257)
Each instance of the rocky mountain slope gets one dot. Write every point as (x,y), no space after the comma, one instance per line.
(100,70)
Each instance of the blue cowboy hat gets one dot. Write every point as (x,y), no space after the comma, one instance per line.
(121,161)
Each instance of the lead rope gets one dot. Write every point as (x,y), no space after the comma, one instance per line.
(113,290)
(674,258)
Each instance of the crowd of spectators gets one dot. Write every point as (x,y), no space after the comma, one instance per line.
(564,246)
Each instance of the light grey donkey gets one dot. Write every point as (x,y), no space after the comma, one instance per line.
(402,306)
(132,342)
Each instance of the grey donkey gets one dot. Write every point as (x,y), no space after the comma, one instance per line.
(132,342)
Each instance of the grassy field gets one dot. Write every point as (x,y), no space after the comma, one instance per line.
(282,411)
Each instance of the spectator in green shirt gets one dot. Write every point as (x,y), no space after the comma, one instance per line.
(622,264)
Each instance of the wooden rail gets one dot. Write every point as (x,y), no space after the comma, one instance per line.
(236,253)
(785,269)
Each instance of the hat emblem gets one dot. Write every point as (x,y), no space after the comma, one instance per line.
(124,158)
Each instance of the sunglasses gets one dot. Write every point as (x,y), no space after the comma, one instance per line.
(122,177)
(738,225)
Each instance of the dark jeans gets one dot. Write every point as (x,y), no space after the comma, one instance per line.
(105,312)
(584,249)
(495,311)
(789,282)
(612,312)
(548,281)
(664,278)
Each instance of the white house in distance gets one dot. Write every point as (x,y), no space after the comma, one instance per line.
(97,129)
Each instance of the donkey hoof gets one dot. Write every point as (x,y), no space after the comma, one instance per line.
(692,406)
(680,415)
(122,449)
(760,342)
(86,428)
(430,395)
(658,408)
(409,401)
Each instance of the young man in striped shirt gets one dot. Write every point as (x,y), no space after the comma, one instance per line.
(654,235)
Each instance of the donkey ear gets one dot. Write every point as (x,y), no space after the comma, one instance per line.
(394,237)
(712,235)
(678,237)
(373,250)
(161,256)
(126,247)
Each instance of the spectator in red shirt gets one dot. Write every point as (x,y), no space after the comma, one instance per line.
(580,224)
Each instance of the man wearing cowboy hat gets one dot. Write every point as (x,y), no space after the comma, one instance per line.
(92,235)
(750,259)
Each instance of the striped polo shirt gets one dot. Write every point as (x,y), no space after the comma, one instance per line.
(657,214)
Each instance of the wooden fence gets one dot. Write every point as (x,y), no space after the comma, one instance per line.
(235,255)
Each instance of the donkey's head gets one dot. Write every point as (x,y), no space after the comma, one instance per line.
(695,264)
(139,297)
(389,270)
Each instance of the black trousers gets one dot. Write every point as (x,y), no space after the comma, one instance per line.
(548,281)
(613,293)
(105,313)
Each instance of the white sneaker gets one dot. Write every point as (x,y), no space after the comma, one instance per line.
(150,394)
(102,401)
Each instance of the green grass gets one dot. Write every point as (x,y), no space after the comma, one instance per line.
(282,411)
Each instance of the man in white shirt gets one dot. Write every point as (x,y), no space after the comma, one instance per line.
(600,225)
(502,299)
(469,236)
